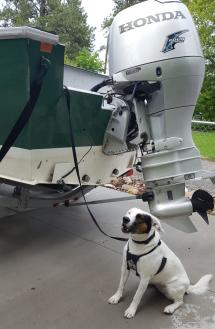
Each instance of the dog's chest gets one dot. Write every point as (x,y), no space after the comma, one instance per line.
(145,260)
(132,261)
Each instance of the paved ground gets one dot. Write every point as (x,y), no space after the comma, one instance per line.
(205,184)
(57,271)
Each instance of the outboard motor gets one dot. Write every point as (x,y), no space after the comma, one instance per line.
(157,67)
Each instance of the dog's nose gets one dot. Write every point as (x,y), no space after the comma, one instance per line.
(126,220)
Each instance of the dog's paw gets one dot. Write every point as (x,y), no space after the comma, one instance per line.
(170,309)
(114,299)
(129,313)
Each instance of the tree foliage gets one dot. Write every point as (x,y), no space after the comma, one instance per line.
(87,61)
(119,5)
(203,12)
(66,18)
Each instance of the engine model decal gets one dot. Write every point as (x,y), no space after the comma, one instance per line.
(142,21)
(172,39)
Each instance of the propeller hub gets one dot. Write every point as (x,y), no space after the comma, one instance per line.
(202,201)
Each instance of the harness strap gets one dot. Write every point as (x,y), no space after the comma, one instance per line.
(162,265)
(133,259)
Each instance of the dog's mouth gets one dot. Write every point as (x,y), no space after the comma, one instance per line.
(124,228)
(128,229)
(133,229)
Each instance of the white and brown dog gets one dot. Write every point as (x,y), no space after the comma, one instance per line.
(154,263)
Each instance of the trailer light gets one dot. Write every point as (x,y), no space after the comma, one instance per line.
(128,173)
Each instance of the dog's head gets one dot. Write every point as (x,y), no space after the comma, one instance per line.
(137,221)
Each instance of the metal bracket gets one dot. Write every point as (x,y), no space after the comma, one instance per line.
(71,203)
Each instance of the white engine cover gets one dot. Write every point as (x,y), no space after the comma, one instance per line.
(149,32)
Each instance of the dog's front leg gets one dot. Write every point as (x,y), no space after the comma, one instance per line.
(124,276)
(131,311)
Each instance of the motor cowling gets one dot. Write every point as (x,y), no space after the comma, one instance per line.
(149,32)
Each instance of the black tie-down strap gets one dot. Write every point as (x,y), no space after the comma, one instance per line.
(28,109)
(72,140)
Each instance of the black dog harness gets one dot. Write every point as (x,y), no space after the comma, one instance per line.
(133,259)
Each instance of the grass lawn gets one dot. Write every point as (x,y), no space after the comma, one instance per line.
(205,142)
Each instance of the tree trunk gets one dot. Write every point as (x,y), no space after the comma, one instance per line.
(43,8)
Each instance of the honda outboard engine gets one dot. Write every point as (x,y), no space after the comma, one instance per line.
(157,67)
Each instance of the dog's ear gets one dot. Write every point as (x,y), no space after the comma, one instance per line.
(144,223)
(157,223)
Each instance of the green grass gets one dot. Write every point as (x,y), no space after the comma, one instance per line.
(205,142)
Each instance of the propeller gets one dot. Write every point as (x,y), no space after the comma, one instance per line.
(202,201)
